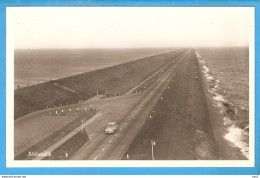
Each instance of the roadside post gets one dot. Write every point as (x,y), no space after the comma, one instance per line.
(82,126)
(153,144)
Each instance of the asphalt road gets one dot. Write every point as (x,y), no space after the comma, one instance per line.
(113,147)
(190,134)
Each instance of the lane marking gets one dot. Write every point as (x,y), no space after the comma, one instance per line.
(95,158)
(103,149)
(109,141)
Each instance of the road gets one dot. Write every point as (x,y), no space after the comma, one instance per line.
(156,73)
(113,147)
(193,129)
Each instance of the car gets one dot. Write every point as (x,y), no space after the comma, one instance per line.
(111,128)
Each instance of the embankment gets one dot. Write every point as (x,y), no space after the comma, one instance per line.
(183,124)
(52,138)
(114,80)
(230,132)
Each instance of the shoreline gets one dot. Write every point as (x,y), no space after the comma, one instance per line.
(187,115)
(227,150)
(115,57)
(116,79)
(184,138)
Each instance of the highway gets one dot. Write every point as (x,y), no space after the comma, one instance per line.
(191,130)
(114,146)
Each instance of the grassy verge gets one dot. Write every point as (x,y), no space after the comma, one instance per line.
(149,82)
(179,125)
(56,136)
(117,79)
(67,149)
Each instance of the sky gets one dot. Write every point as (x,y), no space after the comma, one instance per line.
(128,27)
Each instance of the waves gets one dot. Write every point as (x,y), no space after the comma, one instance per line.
(237,128)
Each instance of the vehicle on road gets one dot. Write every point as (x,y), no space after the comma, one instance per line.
(111,128)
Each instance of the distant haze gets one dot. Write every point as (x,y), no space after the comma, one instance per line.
(129,27)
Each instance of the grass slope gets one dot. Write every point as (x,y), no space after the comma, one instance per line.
(180,123)
(115,79)
(55,137)
(67,149)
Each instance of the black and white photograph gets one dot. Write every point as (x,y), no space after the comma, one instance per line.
(130,86)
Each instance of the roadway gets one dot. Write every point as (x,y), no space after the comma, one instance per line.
(113,147)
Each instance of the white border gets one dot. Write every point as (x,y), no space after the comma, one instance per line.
(252,86)
(10,162)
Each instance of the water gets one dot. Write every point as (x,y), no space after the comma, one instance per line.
(226,69)
(37,66)
(227,73)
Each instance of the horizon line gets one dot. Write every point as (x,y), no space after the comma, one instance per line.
(135,47)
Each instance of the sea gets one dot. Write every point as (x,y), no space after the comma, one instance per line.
(33,66)
(225,69)
(227,73)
